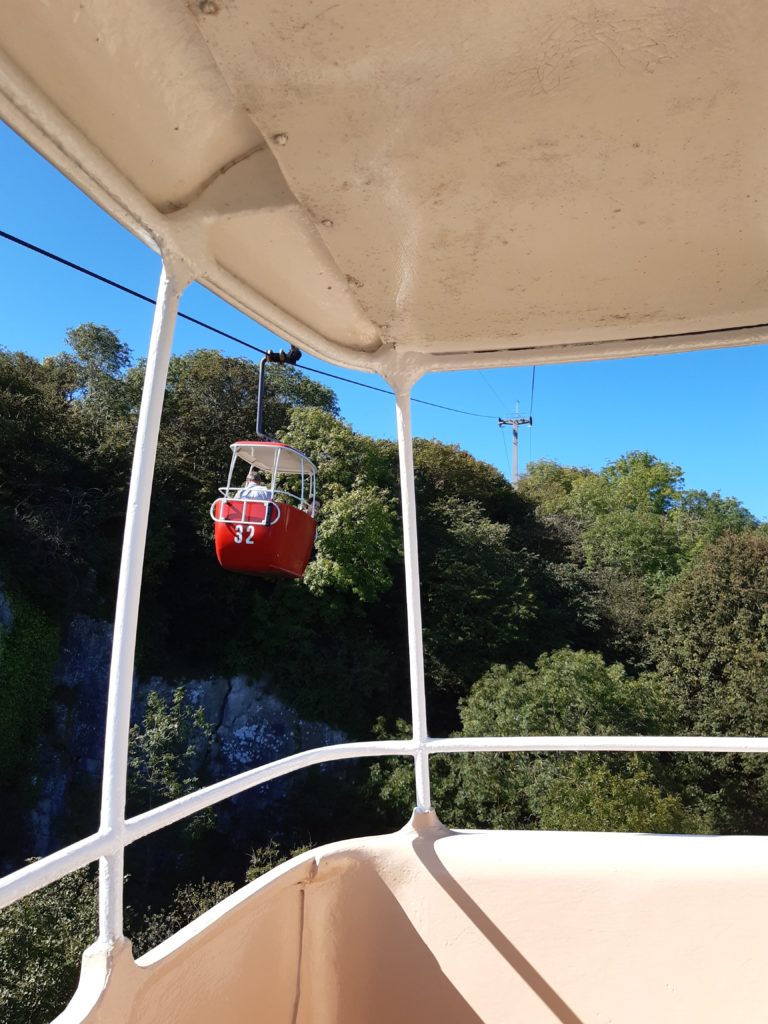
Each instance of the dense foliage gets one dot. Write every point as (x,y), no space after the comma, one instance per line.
(585,602)
(565,693)
(29,646)
(28,650)
(43,936)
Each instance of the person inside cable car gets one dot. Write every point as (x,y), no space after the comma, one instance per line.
(255,486)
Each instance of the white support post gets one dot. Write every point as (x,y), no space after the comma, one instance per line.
(173,279)
(402,388)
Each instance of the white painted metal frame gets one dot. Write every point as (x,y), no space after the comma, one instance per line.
(401,385)
(173,280)
(104,844)
(271,513)
(115,831)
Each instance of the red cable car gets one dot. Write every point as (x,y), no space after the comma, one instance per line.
(266,527)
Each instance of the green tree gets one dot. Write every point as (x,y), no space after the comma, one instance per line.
(711,641)
(271,855)
(343,457)
(28,651)
(358,540)
(163,749)
(711,648)
(102,409)
(623,512)
(549,485)
(623,533)
(357,543)
(608,550)
(61,486)
(701,518)
(42,938)
(99,353)
(641,481)
(166,746)
(566,693)
(149,928)
(476,598)
(327,655)
(586,793)
(447,471)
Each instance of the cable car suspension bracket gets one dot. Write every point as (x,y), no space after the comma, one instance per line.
(291,357)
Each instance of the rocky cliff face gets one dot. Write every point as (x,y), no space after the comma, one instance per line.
(250,727)
(6,615)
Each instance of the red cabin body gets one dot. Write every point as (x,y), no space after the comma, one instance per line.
(267,538)
(269,531)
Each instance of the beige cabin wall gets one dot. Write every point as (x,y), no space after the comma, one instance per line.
(429,924)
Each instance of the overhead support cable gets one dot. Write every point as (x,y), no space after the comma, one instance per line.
(217,330)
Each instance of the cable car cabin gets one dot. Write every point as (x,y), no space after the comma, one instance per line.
(266,525)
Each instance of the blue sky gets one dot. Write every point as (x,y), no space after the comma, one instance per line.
(706,412)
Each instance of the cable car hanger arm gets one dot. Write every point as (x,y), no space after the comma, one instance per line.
(292,356)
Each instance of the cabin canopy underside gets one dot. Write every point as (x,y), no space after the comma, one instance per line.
(454,184)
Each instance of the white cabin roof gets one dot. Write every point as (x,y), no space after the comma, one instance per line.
(263,455)
(425,185)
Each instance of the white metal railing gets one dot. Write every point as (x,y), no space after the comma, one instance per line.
(115,831)
(278,494)
(246,515)
(102,844)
